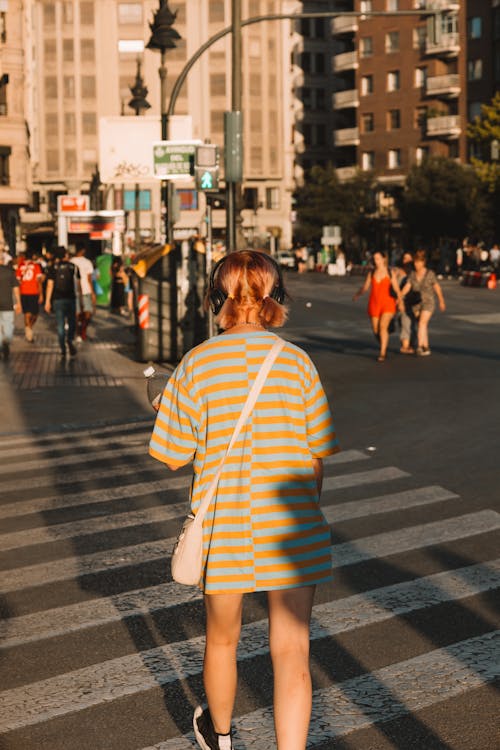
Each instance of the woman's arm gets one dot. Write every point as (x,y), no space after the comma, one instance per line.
(318,473)
(439,295)
(364,288)
(395,286)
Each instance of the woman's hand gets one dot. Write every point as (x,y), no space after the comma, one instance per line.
(442,305)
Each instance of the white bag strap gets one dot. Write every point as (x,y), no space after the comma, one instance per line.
(245,413)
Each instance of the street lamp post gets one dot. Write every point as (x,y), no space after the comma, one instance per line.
(138,103)
(164,37)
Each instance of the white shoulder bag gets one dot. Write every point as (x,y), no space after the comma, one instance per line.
(187,557)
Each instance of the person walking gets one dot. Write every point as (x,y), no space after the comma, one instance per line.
(407,332)
(63,285)
(85,304)
(10,302)
(264,529)
(30,276)
(384,291)
(423,285)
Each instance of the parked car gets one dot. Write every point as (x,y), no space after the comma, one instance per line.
(286,259)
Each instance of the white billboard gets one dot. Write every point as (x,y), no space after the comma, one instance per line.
(126,146)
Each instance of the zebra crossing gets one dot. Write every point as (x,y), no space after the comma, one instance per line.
(83,567)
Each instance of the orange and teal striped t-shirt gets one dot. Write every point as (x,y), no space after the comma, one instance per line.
(264,528)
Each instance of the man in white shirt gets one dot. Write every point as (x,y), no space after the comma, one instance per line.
(86,305)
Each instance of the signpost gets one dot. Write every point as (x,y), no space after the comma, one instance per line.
(174,160)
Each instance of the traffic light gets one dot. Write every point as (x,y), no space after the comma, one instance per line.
(206,167)
(216,200)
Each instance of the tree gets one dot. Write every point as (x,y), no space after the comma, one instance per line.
(323,201)
(484,133)
(443,199)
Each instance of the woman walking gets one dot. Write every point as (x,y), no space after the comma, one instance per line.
(423,285)
(264,530)
(384,291)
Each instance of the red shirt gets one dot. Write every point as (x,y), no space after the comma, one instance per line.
(28,274)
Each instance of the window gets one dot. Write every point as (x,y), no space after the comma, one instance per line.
(392,5)
(272,198)
(68,50)
(419,37)
(49,50)
(254,48)
(453,150)
(392,41)
(5,152)
(3,95)
(474,110)
(475,26)
(217,84)
(69,123)
(51,124)
(367,122)
(421,153)
(87,50)
(70,161)
(420,78)
(255,120)
(69,87)
(130,46)
(51,87)
(256,159)
(475,70)
(89,123)
(367,85)
(314,134)
(49,14)
(215,11)
(88,87)
(394,119)
(394,158)
(67,11)
(216,121)
(3,27)
(366,46)
(52,160)
(367,160)
(393,82)
(255,84)
(420,117)
(87,13)
(129,13)
(365,6)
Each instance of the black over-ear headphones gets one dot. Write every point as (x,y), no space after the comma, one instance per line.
(217,297)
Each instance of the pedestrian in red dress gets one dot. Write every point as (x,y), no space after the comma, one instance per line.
(384,296)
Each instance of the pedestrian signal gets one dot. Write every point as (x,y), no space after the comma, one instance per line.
(206,167)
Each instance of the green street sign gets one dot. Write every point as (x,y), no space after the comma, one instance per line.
(174,160)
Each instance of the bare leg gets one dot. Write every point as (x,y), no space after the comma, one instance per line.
(219,667)
(385,320)
(375,327)
(289,617)
(423,328)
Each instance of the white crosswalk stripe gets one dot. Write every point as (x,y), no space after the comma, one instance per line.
(61,462)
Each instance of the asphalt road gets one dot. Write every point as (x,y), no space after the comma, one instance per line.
(100,650)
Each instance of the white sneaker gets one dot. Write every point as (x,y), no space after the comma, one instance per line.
(28,332)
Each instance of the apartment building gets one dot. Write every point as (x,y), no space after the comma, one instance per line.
(14,153)
(408,85)
(86,54)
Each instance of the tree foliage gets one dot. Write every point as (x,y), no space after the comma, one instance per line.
(444,199)
(323,201)
(483,132)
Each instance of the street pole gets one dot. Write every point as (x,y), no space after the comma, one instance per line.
(233,187)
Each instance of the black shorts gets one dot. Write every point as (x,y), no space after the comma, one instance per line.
(29,303)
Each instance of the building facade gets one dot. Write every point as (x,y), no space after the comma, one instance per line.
(86,55)
(15,179)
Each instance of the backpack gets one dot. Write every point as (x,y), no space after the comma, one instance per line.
(64,280)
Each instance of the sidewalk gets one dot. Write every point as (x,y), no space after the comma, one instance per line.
(40,390)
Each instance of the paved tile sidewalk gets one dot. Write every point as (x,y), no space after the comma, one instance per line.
(40,390)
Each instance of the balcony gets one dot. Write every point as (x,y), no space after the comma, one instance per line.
(347,137)
(345,61)
(346,173)
(344,25)
(437,4)
(448,85)
(344,99)
(444,126)
(448,45)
